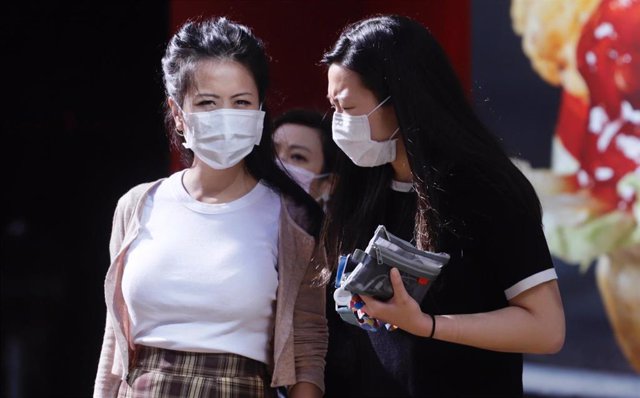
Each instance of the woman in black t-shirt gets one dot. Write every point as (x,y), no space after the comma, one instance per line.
(419,161)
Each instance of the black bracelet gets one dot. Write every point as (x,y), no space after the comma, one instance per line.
(433,325)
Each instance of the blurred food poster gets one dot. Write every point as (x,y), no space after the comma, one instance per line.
(590,50)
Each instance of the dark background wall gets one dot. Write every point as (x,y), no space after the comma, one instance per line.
(82,124)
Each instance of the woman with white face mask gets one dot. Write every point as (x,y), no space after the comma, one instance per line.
(215,286)
(304,146)
(417,160)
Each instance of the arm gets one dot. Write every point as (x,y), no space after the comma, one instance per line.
(533,322)
(106,383)
(310,333)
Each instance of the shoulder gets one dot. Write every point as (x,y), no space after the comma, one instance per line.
(481,203)
(128,202)
(137,191)
(296,213)
(132,196)
(497,186)
(306,218)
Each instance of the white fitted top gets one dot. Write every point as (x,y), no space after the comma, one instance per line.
(202,277)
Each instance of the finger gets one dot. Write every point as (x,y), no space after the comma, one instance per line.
(370,305)
(367,299)
(399,290)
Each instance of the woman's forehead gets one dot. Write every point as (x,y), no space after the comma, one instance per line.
(343,83)
(293,132)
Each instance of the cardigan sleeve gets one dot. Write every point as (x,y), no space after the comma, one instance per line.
(109,366)
(107,383)
(310,325)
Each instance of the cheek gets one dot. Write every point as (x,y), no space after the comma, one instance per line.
(315,159)
(316,164)
(383,123)
(378,129)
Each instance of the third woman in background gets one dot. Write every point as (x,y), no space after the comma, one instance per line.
(302,138)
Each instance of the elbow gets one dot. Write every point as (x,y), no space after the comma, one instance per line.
(558,343)
(556,339)
(553,340)
(555,344)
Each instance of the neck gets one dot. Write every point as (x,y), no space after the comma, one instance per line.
(217,186)
(401,168)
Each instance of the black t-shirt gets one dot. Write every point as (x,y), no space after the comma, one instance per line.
(495,246)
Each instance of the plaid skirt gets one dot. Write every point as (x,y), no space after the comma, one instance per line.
(161,373)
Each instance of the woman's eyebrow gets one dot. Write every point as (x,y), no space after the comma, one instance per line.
(207,95)
(217,96)
(241,94)
(298,146)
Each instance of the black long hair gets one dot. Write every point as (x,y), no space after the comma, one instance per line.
(398,57)
(220,38)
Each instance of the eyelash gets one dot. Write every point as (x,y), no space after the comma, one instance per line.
(210,102)
(333,107)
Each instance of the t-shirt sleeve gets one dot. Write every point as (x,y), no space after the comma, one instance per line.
(499,229)
(520,250)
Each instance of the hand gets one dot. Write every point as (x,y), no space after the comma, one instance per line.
(305,390)
(401,310)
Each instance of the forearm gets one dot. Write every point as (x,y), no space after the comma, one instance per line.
(310,345)
(310,331)
(106,383)
(510,329)
(532,323)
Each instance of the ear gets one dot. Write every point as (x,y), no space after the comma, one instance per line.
(176,114)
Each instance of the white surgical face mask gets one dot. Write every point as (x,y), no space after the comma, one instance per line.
(352,134)
(302,176)
(223,137)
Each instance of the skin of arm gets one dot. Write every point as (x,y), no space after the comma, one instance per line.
(532,323)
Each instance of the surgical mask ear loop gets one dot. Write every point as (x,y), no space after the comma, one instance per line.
(376,108)
(397,130)
(320,176)
(379,105)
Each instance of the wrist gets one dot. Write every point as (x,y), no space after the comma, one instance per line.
(424,327)
(432,326)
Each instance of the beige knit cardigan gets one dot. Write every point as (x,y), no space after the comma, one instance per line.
(300,337)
